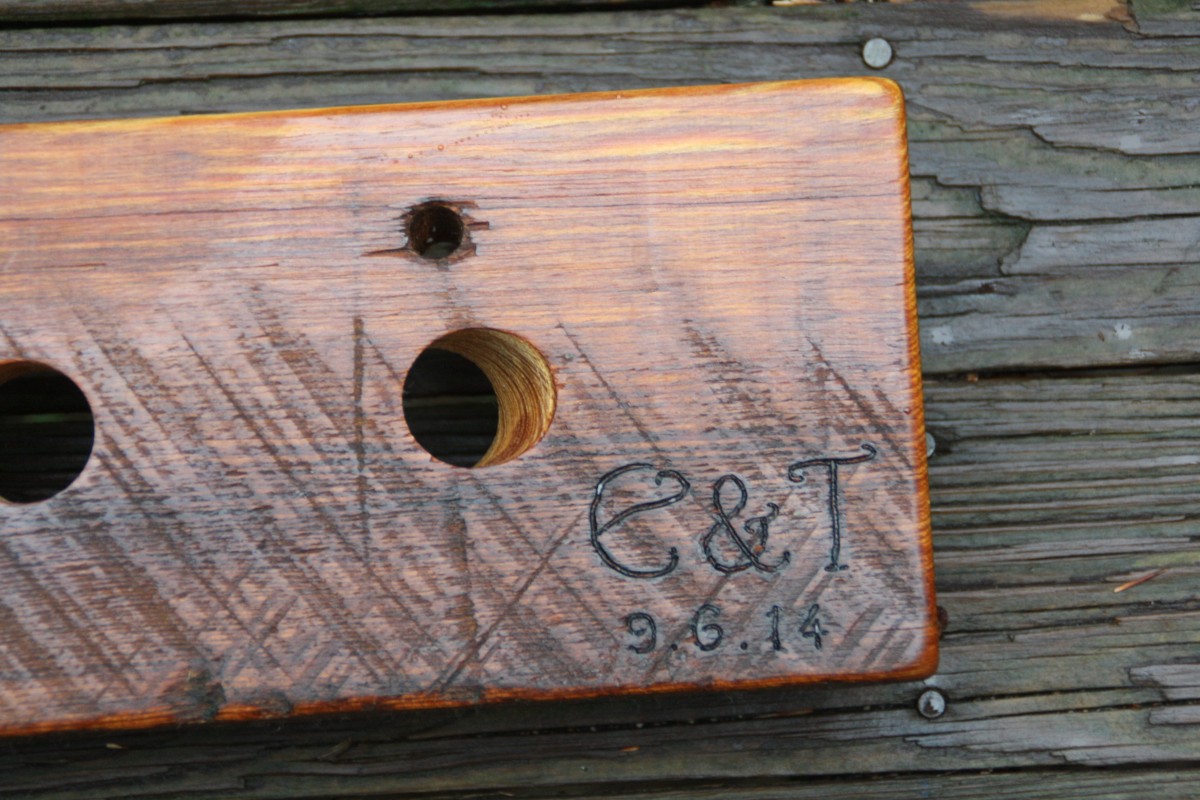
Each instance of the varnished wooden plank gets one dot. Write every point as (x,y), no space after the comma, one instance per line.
(257,528)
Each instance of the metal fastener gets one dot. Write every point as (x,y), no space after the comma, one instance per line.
(931,704)
(877,53)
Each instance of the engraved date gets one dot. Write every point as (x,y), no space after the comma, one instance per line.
(799,627)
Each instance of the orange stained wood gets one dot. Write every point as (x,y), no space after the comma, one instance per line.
(695,305)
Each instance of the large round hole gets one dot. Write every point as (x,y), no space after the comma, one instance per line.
(435,231)
(46,431)
(479,397)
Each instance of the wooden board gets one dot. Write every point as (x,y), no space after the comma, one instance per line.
(1050,487)
(1055,224)
(40,12)
(730,491)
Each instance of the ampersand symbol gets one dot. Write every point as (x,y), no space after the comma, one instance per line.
(756,528)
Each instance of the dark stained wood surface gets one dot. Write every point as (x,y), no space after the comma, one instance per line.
(1065,462)
(257,528)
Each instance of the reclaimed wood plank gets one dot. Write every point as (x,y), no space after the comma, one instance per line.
(660,508)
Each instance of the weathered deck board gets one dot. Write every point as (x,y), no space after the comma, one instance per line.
(27,12)
(1059,214)
(1168,17)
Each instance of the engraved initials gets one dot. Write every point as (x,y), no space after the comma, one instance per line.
(744,549)
(598,530)
(797,474)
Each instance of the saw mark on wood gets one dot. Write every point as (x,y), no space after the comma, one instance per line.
(649,438)
(582,603)
(296,351)
(360,453)
(473,647)
(119,351)
(161,519)
(369,653)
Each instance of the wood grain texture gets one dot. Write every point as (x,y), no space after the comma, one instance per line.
(1050,488)
(40,12)
(1167,17)
(1056,209)
(1048,493)
(257,531)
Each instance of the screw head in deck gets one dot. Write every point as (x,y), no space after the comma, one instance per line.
(931,704)
(877,53)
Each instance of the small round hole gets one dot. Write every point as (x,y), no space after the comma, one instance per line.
(46,431)
(435,231)
(479,397)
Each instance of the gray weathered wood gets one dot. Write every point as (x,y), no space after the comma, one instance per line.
(34,12)
(1168,17)
(1055,161)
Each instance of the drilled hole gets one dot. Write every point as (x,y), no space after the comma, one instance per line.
(435,231)
(46,431)
(450,407)
(478,397)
